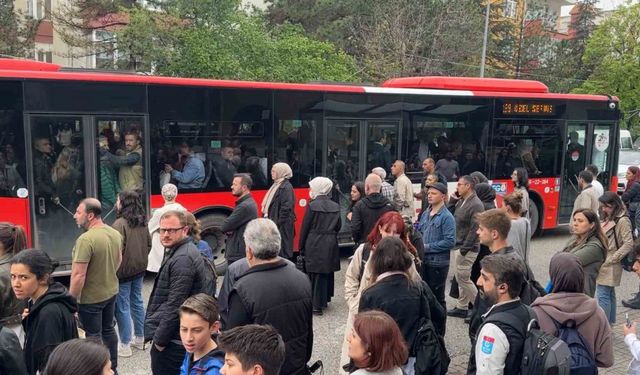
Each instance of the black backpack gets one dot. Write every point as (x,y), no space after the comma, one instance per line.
(542,353)
(582,360)
(366,252)
(429,349)
(210,277)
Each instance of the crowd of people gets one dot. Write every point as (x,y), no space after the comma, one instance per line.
(260,320)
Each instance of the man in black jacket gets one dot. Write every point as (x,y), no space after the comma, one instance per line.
(499,344)
(368,210)
(235,224)
(11,358)
(181,275)
(493,229)
(273,293)
(467,239)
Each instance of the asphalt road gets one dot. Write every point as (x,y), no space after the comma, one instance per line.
(329,328)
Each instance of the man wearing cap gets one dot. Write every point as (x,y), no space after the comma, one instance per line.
(438,228)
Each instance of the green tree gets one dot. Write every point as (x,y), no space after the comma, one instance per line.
(393,38)
(208,38)
(17,33)
(566,67)
(613,52)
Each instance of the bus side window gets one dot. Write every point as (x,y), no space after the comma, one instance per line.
(533,145)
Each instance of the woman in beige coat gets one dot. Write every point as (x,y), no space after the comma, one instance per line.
(617,226)
(358,275)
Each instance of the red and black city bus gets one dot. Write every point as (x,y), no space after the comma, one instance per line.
(334,130)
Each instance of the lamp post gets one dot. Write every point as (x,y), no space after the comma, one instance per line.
(485,39)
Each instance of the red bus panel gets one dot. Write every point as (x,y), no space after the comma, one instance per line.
(223,201)
(16,211)
(547,188)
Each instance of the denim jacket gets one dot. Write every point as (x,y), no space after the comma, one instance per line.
(192,175)
(438,235)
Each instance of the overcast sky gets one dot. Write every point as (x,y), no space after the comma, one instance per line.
(603,4)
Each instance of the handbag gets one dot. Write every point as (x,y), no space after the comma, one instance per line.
(300,263)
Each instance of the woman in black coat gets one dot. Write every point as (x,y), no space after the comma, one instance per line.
(278,205)
(50,316)
(319,241)
(394,293)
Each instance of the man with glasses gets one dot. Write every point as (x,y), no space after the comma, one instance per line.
(181,275)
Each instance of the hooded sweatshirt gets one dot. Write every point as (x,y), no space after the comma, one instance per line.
(210,364)
(49,323)
(365,214)
(487,195)
(567,302)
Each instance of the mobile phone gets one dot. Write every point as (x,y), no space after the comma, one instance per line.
(626,316)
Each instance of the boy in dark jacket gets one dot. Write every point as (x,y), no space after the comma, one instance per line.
(198,323)
(252,347)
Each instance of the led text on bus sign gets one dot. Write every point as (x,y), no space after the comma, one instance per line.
(540,109)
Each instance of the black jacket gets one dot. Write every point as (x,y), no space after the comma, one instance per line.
(514,334)
(365,214)
(466,225)
(233,273)
(631,196)
(486,194)
(11,358)
(42,168)
(181,275)
(319,236)
(276,294)
(481,306)
(136,244)
(235,224)
(51,321)
(282,213)
(399,298)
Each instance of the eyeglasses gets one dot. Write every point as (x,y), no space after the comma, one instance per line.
(170,230)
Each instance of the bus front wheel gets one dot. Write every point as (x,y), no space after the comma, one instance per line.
(216,239)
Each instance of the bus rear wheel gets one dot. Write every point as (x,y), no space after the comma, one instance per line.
(534,217)
(211,233)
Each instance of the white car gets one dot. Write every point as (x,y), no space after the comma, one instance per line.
(626,158)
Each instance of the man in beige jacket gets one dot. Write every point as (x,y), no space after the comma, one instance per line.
(588,197)
(403,199)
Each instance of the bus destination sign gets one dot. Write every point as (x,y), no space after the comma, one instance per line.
(528,109)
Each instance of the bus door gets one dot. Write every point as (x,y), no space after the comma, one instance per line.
(354,147)
(121,160)
(602,152)
(57,174)
(585,143)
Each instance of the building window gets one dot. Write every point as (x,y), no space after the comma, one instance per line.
(44,56)
(105,56)
(510,8)
(30,8)
(39,9)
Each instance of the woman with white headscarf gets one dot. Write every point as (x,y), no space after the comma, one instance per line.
(319,241)
(278,206)
(169,194)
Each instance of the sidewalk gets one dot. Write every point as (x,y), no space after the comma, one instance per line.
(621,353)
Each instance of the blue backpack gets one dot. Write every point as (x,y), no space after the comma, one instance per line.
(582,360)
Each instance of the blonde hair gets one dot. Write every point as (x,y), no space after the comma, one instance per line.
(61,171)
(514,201)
